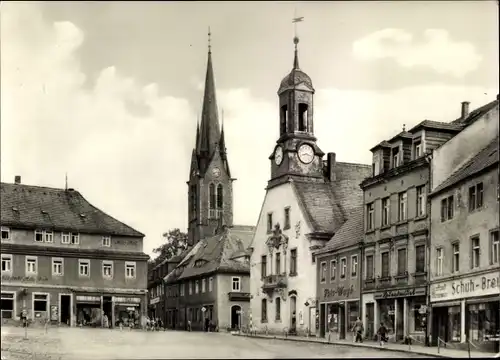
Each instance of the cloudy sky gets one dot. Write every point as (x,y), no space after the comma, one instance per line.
(110,92)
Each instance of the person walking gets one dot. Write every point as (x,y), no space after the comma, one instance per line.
(358,330)
(382,332)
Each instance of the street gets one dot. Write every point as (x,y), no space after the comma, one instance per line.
(76,343)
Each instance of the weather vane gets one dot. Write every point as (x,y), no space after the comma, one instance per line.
(295,21)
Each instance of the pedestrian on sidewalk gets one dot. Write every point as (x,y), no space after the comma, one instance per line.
(358,330)
(382,331)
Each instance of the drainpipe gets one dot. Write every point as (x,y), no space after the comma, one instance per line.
(428,159)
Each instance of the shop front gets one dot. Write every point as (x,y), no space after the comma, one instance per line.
(127,311)
(403,312)
(467,310)
(88,310)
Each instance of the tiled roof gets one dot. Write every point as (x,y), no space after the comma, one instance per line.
(221,252)
(484,159)
(349,234)
(476,114)
(383,143)
(58,209)
(403,134)
(437,125)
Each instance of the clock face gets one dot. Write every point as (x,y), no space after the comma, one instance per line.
(278,155)
(216,172)
(306,153)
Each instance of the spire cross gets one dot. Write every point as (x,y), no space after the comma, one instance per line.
(209,40)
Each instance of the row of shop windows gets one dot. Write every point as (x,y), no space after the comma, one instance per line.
(40,305)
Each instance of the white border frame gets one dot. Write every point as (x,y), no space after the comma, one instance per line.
(103,238)
(30,257)
(108,262)
(6,228)
(357,266)
(239,283)
(68,234)
(333,261)
(33,304)
(14,299)
(321,271)
(135,269)
(52,266)
(79,273)
(346,267)
(38,231)
(71,304)
(11,264)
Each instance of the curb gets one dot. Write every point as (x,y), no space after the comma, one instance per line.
(366,346)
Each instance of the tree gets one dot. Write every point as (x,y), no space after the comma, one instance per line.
(174,241)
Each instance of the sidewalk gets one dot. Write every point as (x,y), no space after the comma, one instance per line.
(414,349)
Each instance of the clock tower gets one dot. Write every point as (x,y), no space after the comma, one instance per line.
(296,154)
(210,185)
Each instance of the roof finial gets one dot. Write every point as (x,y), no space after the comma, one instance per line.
(209,41)
(404,127)
(296,38)
(66,182)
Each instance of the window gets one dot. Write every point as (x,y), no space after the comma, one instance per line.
(447,208)
(196,286)
(48,236)
(402,206)
(236,281)
(439,261)
(130,270)
(456,257)
(182,289)
(203,285)
(269,222)
(402,261)
(385,264)
(31,265)
(212,196)
(370,225)
(373,169)
(84,267)
(421,200)
(8,302)
(287,218)
(65,238)
(6,263)
(107,269)
(354,265)
(75,238)
(190,288)
(475,250)
(220,197)
(476,197)
(57,266)
(395,157)
(263,266)
(38,235)
(495,248)
(283,119)
(369,267)
(40,304)
(278,309)
(302,117)
(210,284)
(420,259)
(385,211)
(323,272)
(278,263)
(343,267)
(263,315)
(5,233)
(333,269)
(106,241)
(293,261)
(417,149)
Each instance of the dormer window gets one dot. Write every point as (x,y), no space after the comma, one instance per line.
(303,110)
(199,263)
(417,149)
(395,157)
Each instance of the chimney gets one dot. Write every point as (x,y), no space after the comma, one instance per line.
(465,109)
(17,179)
(331,166)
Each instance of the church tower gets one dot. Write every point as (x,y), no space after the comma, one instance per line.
(296,154)
(210,189)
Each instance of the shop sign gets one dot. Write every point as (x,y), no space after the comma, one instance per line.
(339,292)
(25,278)
(156,300)
(389,294)
(85,298)
(473,286)
(118,299)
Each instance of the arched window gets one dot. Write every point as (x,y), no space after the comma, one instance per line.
(220,196)
(212,196)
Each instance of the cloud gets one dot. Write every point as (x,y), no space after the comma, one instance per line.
(437,52)
(127,149)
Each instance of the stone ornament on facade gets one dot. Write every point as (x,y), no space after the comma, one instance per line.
(277,239)
(297,229)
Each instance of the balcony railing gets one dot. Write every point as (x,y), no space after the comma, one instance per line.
(275,282)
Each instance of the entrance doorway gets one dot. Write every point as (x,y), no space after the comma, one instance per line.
(322,320)
(293,315)
(235,316)
(400,330)
(107,309)
(65,305)
(370,320)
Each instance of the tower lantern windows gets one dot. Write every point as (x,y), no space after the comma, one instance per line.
(283,119)
(303,110)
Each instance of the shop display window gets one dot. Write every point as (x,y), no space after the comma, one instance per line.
(483,322)
(454,323)
(353,313)
(333,317)
(387,311)
(419,318)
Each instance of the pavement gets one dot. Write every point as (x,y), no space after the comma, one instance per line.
(76,343)
(416,350)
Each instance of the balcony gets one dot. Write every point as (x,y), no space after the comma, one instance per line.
(272,282)
(238,296)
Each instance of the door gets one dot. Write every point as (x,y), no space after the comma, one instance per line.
(293,314)
(65,308)
(342,320)
(322,320)
(235,317)
(370,320)
(400,319)
(312,321)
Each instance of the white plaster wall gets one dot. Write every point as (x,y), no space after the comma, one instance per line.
(463,146)
(304,283)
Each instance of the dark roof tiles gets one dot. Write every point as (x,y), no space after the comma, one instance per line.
(58,209)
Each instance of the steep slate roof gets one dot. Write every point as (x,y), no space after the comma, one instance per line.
(218,253)
(30,206)
(349,234)
(484,159)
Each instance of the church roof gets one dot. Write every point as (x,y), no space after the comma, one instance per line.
(223,252)
(32,207)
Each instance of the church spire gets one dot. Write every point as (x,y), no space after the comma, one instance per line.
(209,127)
(222,142)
